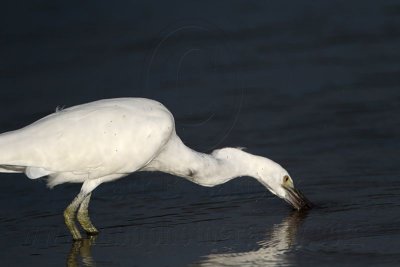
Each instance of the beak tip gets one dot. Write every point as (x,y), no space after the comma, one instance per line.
(298,200)
(304,204)
(307,206)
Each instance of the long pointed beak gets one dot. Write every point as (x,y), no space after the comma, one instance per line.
(296,199)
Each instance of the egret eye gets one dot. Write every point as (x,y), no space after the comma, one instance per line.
(285,179)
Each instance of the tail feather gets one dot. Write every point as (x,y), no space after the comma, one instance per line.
(36,172)
(31,172)
(12,169)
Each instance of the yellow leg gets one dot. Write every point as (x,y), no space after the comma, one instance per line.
(69,216)
(83,217)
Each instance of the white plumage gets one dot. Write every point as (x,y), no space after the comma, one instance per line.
(108,139)
(89,141)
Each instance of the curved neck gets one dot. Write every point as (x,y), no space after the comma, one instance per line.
(205,169)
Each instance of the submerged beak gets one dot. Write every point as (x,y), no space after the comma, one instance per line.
(295,198)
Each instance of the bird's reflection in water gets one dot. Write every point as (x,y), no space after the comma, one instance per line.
(81,249)
(273,249)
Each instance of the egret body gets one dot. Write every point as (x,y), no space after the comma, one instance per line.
(108,139)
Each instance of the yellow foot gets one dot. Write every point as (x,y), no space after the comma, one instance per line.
(69,221)
(92,232)
(84,220)
(76,235)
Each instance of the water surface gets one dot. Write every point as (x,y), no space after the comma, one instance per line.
(314,86)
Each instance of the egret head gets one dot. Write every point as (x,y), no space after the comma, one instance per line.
(269,173)
(277,180)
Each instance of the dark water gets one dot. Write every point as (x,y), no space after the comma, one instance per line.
(314,86)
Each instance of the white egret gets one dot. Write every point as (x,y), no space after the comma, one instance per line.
(108,139)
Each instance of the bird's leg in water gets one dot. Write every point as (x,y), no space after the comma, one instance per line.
(83,217)
(69,215)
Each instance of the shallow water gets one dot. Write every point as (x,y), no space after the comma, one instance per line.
(313,86)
